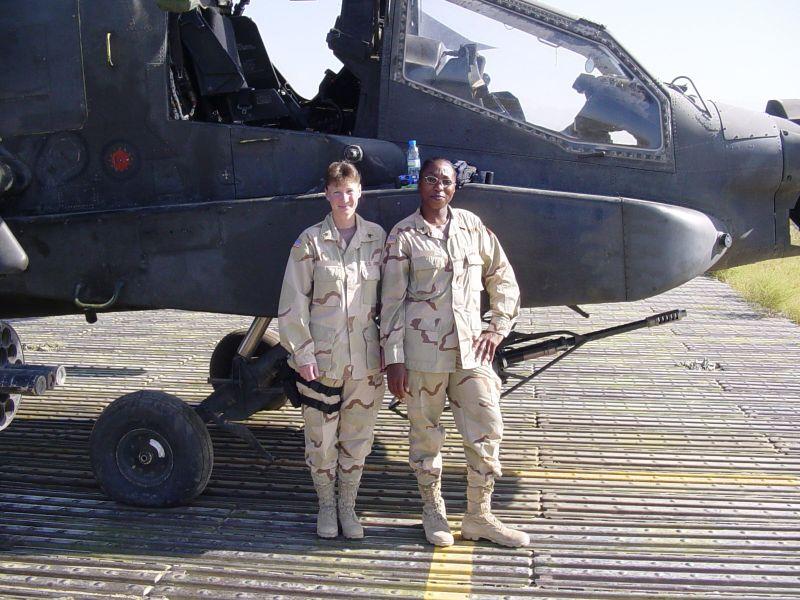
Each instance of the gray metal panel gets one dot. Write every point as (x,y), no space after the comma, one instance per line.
(275,162)
(41,89)
(581,236)
(788,195)
(742,124)
(666,246)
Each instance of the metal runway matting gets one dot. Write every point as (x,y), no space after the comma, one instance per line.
(661,464)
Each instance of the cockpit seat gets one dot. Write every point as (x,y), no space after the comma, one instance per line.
(210,40)
(255,62)
(462,74)
(232,67)
(423,59)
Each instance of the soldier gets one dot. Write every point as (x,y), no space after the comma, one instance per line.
(327,316)
(435,264)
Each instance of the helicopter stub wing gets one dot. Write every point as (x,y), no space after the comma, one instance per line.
(580,249)
(228,257)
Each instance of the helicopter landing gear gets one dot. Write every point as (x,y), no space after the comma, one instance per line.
(149,448)
(246,370)
(243,346)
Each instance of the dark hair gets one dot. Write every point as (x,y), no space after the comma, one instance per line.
(436,159)
(341,171)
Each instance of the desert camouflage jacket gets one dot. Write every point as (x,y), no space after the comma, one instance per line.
(432,292)
(329,300)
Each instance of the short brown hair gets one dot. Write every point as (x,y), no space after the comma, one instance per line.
(341,171)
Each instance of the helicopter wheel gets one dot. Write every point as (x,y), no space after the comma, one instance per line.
(149,448)
(221,362)
(10,354)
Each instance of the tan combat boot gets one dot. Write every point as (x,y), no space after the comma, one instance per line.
(348,490)
(479,522)
(327,526)
(434,515)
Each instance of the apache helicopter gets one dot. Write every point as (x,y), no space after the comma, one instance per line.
(156,158)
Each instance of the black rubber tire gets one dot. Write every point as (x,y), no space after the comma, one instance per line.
(183,437)
(219,367)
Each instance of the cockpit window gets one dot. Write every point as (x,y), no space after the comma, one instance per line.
(528,71)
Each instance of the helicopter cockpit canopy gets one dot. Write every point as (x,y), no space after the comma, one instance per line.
(529,71)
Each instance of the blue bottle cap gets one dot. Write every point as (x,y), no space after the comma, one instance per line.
(412,142)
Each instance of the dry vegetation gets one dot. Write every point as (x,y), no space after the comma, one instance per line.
(774,284)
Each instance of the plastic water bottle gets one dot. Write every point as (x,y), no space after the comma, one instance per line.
(412,159)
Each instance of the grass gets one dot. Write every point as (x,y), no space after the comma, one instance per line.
(774,284)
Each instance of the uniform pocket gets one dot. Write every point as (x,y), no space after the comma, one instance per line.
(370,276)
(426,329)
(474,266)
(328,285)
(373,348)
(425,270)
(421,340)
(323,272)
(323,344)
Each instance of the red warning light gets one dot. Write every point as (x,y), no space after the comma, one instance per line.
(120,160)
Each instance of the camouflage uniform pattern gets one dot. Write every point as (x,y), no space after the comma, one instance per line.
(342,439)
(329,300)
(432,292)
(429,321)
(475,401)
(327,315)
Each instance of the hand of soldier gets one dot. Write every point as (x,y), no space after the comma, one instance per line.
(397,377)
(309,372)
(485,346)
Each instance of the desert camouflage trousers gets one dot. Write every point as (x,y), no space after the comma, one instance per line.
(475,401)
(342,439)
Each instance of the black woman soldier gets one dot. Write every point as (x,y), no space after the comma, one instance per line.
(435,264)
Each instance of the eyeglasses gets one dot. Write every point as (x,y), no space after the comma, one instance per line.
(431,180)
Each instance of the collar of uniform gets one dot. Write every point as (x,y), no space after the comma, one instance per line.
(363,233)
(328,230)
(422,225)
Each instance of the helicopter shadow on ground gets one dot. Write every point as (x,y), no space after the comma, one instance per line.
(49,501)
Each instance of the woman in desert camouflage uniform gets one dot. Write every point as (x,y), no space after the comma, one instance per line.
(436,263)
(327,316)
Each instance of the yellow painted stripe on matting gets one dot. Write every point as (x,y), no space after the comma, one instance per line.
(688,477)
(450,574)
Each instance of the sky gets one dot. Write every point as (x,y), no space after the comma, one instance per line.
(740,52)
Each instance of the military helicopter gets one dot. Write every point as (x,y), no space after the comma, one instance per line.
(153,156)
